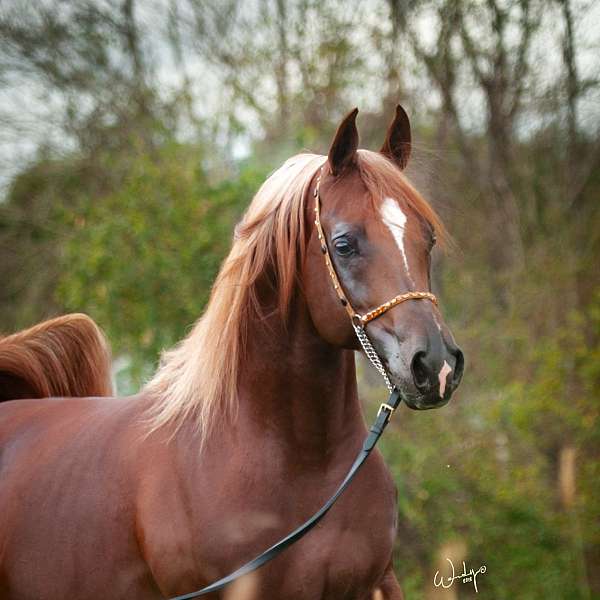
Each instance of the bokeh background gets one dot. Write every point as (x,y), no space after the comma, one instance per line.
(133,134)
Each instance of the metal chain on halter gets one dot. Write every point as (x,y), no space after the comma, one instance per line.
(372,355)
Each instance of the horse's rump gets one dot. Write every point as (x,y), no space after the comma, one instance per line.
(65,356)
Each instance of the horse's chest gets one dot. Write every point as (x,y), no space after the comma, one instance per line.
(342,560)
(345,555)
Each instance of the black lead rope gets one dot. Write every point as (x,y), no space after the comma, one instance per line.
(381,421)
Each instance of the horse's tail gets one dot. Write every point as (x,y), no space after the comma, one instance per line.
(65,356)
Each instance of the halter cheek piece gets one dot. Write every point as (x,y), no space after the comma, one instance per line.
(383,415)
(360,321)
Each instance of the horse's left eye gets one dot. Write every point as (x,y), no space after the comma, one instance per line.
(343,248)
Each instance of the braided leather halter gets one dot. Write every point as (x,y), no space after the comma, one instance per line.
(386,410)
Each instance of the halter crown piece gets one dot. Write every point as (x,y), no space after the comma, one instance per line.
(359,321)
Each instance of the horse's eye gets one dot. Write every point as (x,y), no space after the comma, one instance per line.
(343,248)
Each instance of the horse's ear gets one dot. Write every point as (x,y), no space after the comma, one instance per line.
(397,141)
(345,144)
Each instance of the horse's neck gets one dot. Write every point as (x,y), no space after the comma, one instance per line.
(296,387)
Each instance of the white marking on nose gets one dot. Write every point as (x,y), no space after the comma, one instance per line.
(444,371)
(395,220)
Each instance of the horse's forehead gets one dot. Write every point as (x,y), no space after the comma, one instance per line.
(348,195)
(352,202)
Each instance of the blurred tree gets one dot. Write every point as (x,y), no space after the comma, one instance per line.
(30,236)
(489,43)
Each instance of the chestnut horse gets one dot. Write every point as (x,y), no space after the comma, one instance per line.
(249,423)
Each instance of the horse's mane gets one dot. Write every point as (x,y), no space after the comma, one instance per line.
(65,356)
(198,377)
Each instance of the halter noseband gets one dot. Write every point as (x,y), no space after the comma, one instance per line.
(357,319)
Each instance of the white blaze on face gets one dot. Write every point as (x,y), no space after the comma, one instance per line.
(395,219)
(444,372)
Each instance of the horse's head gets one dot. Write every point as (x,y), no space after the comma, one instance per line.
(380,234)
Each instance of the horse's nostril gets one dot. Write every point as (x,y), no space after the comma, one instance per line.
(459,367)
(419,371)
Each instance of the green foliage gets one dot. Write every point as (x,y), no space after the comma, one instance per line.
(141,258)
(31,233)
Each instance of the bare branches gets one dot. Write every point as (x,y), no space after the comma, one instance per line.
(521,66)
(442,68)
